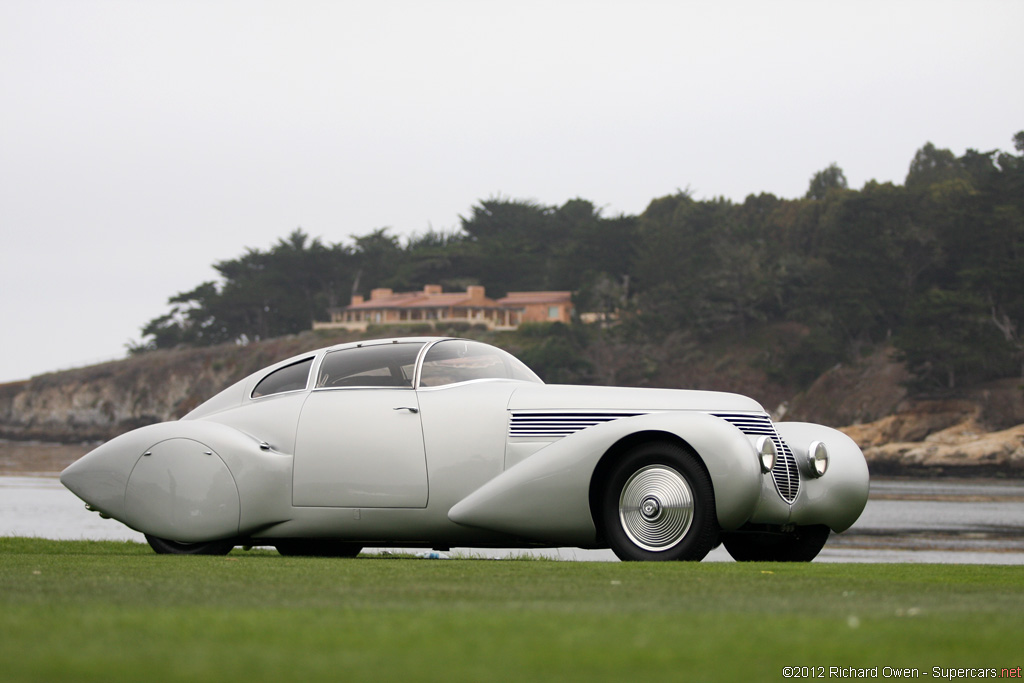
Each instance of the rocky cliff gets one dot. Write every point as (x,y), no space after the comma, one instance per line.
(102,401)
(99,402)
(946,436)
(982,429)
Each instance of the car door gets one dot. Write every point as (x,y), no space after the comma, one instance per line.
(359,441)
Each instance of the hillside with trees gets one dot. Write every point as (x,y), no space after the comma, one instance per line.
(932,268)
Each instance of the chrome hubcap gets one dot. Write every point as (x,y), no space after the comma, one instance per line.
(656,507)
(650,509)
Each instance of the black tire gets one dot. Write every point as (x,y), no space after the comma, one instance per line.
(800,545)
(164,546)
(306,547)
(657,503)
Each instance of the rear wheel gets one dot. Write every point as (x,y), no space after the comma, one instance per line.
(164,546)
(658,504)
(316,548)
(802,544)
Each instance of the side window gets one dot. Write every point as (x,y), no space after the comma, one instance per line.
(379,365)
(453,361)
(289,378)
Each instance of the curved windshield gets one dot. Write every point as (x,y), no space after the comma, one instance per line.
(458,360)
(378,365)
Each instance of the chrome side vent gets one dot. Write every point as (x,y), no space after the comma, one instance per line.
(558,424)
(785,473)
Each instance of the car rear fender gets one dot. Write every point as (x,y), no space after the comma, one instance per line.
(163,478)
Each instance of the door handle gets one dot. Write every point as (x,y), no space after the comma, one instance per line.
(409,408)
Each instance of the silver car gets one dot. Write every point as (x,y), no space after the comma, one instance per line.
(439,442)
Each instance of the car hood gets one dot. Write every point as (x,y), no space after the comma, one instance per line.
(568,397)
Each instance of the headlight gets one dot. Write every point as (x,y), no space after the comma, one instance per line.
(766,453)
(817,458)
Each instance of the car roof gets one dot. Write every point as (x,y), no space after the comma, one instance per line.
(379,342)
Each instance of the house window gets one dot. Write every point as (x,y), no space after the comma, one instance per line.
(553,313)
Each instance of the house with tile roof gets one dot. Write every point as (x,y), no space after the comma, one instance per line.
(537,307)
(433,305)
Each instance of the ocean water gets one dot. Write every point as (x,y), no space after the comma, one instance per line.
(935,520)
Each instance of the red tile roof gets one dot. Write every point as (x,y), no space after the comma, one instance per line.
(524,298)
(395,300)
(422,299)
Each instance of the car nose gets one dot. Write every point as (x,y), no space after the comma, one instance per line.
(100,477)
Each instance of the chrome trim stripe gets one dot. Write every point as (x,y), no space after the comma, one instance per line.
(558,424)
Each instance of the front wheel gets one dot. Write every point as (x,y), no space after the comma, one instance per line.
(802,544)
(658,504)
(164,546)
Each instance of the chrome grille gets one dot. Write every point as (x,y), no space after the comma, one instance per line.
(557,424)
(786,474)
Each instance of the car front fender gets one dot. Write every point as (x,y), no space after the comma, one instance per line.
(546,497)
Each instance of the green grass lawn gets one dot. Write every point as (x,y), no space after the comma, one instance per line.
(103,611)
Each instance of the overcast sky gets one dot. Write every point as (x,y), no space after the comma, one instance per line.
(141,141)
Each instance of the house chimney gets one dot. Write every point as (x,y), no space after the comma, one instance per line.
(356,299)
(476,292)
(382,293)
(432,289)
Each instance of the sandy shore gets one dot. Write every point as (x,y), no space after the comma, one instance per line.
(26,458)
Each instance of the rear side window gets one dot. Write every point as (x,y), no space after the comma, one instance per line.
(289,378)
